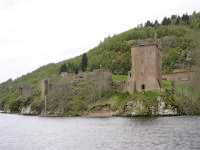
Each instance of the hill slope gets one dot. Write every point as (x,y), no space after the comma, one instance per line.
(178,36)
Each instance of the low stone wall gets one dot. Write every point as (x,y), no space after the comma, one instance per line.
(179,77)
(86,88)
(25,91)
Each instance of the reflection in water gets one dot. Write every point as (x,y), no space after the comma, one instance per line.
(35,133)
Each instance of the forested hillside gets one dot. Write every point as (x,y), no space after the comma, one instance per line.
(178,37)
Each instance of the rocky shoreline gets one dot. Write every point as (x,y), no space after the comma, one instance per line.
(96,115)
(131,109)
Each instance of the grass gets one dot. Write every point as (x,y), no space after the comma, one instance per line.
(119,78)
(181,88)
(166,84)
(118,100)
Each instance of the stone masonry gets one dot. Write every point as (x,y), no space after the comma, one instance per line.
(145,73)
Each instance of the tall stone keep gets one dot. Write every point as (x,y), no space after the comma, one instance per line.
(145,73)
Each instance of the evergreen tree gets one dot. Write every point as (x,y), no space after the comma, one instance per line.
(148,24)
(185,19)
(173,19)
(166,21)
(84,62)
(76,70)
(156,23)
(63,68)
(178,20)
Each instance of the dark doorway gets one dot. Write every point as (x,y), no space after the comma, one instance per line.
(20,91)
(143,87)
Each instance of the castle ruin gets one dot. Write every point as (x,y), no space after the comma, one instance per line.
(145,73)
(180,76)
(24,91)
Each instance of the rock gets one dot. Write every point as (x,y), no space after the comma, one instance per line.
(6,109)
(170,112)
(153,110)
(26,110)
(138,108)
(164,110)
(101,114)
(134,108)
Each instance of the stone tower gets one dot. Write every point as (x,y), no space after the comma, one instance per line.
(145,73)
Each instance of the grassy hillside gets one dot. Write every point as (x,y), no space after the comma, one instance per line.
(178,37)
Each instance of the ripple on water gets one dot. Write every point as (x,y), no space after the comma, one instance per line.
(35,133)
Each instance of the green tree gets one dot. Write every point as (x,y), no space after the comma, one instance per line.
(76,70)
(84,62)
(166,21)
(63,68)
(186,19)
(156,23)
(149,24)
(173,19)
(178,20)
(72,67)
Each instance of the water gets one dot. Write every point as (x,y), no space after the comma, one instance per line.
(36,133)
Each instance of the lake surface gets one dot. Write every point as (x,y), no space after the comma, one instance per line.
(39,133)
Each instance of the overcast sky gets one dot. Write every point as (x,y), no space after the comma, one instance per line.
(37,32)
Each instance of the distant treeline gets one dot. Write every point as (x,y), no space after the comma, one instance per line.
(192,20)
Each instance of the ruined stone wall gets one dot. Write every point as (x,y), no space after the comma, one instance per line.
(102,79)
(48,87)
(83,88)
(24,91)
(179,77)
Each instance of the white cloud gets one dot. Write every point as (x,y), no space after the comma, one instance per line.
(37,32)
